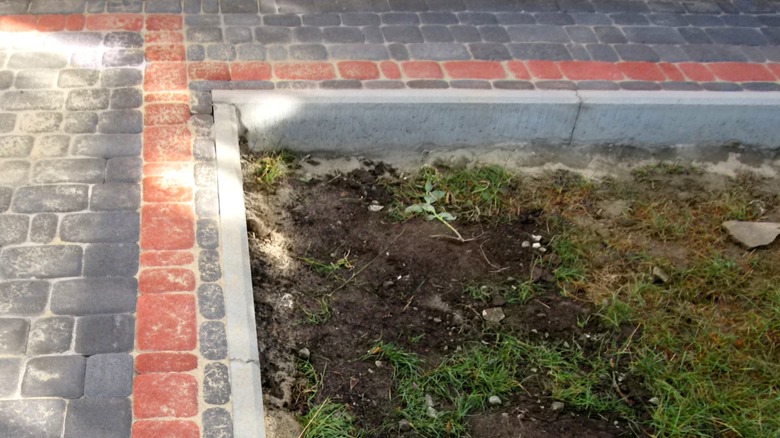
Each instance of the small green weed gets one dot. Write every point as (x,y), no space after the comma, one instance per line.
(322,314)
(328,268)
(271,166)
(664,168)
(427,209)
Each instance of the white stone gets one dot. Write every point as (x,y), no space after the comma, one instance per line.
(752,234)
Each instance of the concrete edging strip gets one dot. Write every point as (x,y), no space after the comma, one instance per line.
(360,120)
(246,388)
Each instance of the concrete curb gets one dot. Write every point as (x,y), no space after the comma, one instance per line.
(353,121)
(248,415)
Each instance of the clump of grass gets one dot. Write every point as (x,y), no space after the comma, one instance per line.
(321,314)
(329,420)
(484,192)
(271,167)
(328,268)
(513,292)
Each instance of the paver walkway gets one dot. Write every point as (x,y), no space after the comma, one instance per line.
(111,304)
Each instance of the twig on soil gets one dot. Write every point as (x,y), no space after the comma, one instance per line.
(545,305)
(498,269)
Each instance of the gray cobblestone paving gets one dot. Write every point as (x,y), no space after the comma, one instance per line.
(70,166)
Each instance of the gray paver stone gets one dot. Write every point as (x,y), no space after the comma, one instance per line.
(5,198)
(124,5)
(213,342)
(196,52)
(203,149)
(41,261)
(246,52)
(6,79)
(211,301)
(43,228)
(50,335)
(216,384)
(123,58)
(273,35)
(54,376)
(13,228)
(120,122)
(164,6)
(287,20)
(15,146)
(109,375)
(375,52)
(57,6)
(13,335)
(238,6)
(25,60)
(124,169)
(205,174)
(87,99)
(108,145)
(207,233)
(126,98)
(209,265)
(87,59)
(10,369)
(78,170)
(55,199)
(115,196)
(32,418)
(439,51)
(121,77)
(31,100)
(23,297)
(78,78)
(90,296)
(221,52)
(206,203)
(236,35)
(53,145)
(93,417)
(7,122)
(217,423)
(102,227)
(80,122)
(35,79)
(111,260)
(104,334)
(41,122)
(204,35)
(13,173)
(240,19)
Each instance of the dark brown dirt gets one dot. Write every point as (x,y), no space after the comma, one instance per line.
(405,284)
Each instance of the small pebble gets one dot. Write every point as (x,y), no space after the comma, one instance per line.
(557,406)
(304,353)
(494,400)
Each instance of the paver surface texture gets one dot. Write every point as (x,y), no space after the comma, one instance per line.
(111,302)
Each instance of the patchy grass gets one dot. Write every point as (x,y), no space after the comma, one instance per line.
(321,314)
(268,168)
(437,401)
(704,343)
(329,420)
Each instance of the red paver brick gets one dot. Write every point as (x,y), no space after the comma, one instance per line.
(163,22)
(166,258)
(250,71)
(130,22)
(696,72)
(518,70)
(75,22)
(50,23)
(741,72)
(390,69)
(163,37)
(167,226)
(165,76)
(671,72)
(360,70)
(166,322)
(17,23)
(641,71)
(544,70)
(182,171)
(208,71)
(165,429)
(161,280)
(148,363)
(164,52)
(590,71)
(165,395)
(167,189)
(474,70)
(422,70)
(166,114)
(167,143)
(166,97)
(774,68)
(306,71)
